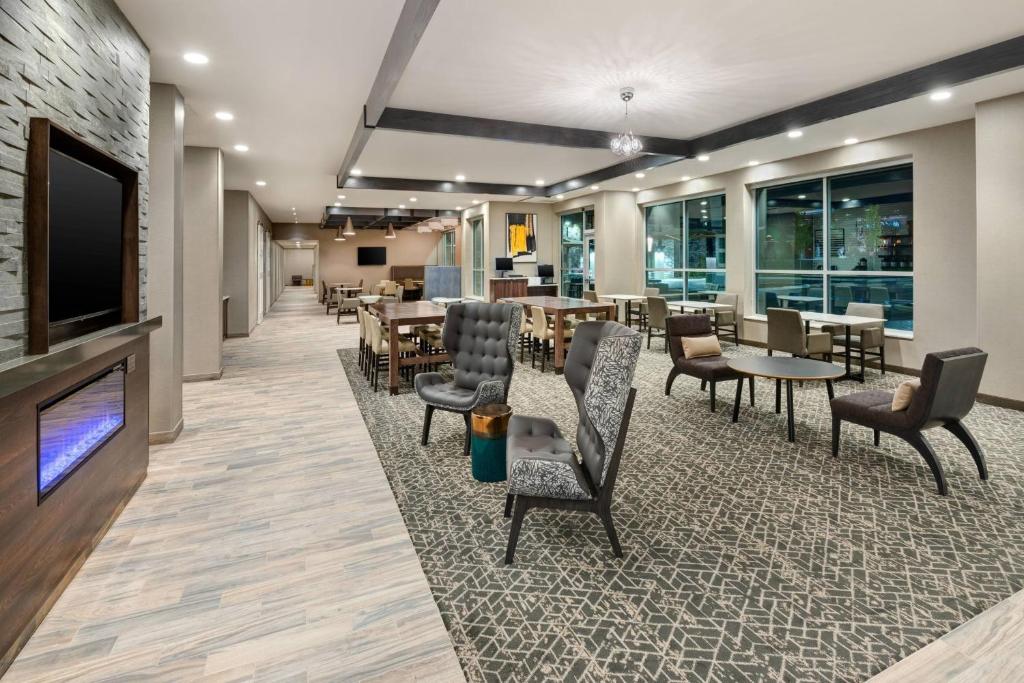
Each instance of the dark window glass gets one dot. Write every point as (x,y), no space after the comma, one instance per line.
(670,283)
(665,236)
(705,232)
(896,294)
(703,285)
(872,220)
(802,292)
(789,226)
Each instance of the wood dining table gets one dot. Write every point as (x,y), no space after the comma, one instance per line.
(396,315)
(559,307)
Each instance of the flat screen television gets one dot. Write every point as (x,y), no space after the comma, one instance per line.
(545,270)
(372,256)
(85,244)
(502,264)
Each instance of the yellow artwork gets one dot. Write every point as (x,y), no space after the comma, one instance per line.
(522,237)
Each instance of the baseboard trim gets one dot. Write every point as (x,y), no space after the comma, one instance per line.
(169,436)
(203,377)
(236,335)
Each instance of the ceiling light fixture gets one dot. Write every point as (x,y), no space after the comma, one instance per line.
(940,95)
(846,199)
(412,199)
(225,116)
(538,182)
(349,230)
(476,201)
(293,208)
(636,189)
(638,175)
(261,183)
(341,196)
(241,148)
(401,206)
(686,177)
(355,171)
(801,196)
(704,203)
(703,157)
(390,235)
(594,187)
(195,58)
(753,162)
(559,196)
(850,141)
(337,203)
(795,134)
(459,178)
(458,208)
(626,144)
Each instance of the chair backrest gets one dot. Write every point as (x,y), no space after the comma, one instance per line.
(786,331)
(652,291)
(728,299)
(865,310)
(375,332)
(481,339)
(843,295)
(878,294)
(361,318)
(599,369)
(323,290)
(389,287)
(360,283)
(399,292)
(679,326)
(590,296)
(657,311)
(949,386)
(539,320)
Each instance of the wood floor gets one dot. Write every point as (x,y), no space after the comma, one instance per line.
(264,545)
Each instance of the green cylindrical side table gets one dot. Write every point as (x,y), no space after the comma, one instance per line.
(490,427)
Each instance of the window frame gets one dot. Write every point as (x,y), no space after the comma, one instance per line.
(825,274)
(477,223)
(685,270)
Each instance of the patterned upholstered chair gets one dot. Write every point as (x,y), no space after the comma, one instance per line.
(481,340)
(543,471)
(709,369)
(949,385)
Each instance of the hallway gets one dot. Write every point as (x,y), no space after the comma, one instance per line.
(265,543)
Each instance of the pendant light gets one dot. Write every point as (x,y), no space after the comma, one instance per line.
(349,230)
(626,144)
(339,238)
(390,233)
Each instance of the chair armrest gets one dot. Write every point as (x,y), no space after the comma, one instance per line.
(488,392)
(871,337)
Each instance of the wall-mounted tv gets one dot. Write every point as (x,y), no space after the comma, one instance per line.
(372,256)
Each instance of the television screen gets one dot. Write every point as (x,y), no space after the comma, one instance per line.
(547,270)
(85,241)
(502,263)
(372,256)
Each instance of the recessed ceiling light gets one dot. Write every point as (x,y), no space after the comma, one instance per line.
(940,95)
(636,189)
(458,208)
(686,177)
(241,148)
(846,199)
(795,134)
(703,157)
(401,206)
(704,203)
(293,208)
(261,183)
(703,210)
(801,196)
(850,141)
(337,203)
(341,196)
(753,162)
(594,187)
(412,199)
(476,201)
(538,181)
(195,58)
(559,196)
(298,244)
(225,116)
(355,171)
(460,178)
(638,175)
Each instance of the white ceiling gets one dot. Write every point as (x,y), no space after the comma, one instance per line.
(297,73)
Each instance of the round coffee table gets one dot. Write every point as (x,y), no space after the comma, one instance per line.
(784,369)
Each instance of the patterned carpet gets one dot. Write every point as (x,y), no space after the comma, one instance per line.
(746,557)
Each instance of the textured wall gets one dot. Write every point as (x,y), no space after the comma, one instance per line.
(81,64)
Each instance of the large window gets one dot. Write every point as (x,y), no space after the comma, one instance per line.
(476,229)
(824,243)
(685,248)
(574,227)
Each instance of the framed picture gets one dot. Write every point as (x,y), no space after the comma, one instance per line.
(521,237)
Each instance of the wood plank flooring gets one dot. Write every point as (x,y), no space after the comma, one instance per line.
(265,543)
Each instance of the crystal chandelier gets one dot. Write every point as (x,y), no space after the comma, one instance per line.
(626,144)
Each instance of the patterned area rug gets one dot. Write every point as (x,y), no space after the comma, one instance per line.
(746,557)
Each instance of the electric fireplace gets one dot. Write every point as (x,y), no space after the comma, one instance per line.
(77,423)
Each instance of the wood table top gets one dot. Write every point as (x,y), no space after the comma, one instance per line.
(781,367)
(409,312)
(550,304)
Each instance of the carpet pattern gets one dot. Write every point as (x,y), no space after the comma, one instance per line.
(746,557)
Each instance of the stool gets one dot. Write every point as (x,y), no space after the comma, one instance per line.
(490,428)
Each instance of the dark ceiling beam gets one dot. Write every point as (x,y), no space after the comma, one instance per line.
(418,185)
(412,23)
(969,66)
(368,217)
(514,131)
(637,164)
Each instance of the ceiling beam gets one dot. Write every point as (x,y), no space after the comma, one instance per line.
(636,164)
(514,131)
(969,66)
(419,185)
(412,23)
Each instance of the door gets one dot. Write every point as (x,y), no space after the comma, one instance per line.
(572,254)
(590,267)
(260,271)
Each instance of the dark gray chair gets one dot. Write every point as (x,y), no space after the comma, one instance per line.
(480,339)
(949,385)
(543,471)
(709,369)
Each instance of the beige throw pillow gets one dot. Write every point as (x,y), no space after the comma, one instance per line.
(905,394)
(698,347)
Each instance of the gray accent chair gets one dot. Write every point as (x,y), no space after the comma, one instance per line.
(709,369)
(786,333)
(949,386)
(543,471)
(726,320)
(481,340)
(345,305)
(863,338)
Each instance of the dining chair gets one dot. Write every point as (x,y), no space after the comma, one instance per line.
(865,339)
(657,314)
(786,333)
(543,330)
(380,350)
(727,319)
(641,311)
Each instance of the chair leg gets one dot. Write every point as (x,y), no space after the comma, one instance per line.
(713,396)
(509,499)
(609,527)
(769,352)
(881,356)
(739,398)
(751,378)
(673,373)
(836,427)
(648,338)
(928,453)
(517,523)
(426,425)
(469,433)
(703,385)
(861,363)
(778,396)
(878,437)
(957,428)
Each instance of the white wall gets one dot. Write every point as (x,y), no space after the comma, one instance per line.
(298,262)
(242,217)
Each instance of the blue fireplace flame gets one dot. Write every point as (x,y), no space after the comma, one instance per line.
(74,426)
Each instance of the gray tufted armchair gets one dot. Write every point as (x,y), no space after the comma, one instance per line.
(481,339)
(543,471)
